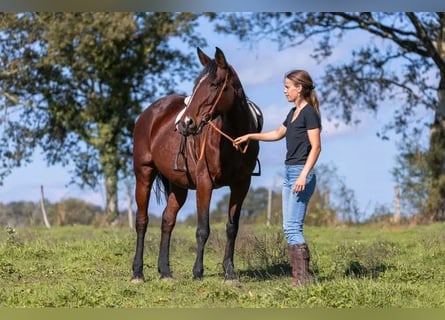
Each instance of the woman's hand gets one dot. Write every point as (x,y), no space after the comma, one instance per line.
(240,140)
(299,184)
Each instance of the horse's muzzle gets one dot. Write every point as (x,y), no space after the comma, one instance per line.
(188,127)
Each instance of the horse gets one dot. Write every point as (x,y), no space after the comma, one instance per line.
(187,144)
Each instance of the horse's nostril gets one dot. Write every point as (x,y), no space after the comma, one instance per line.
(189,123)
(188,126)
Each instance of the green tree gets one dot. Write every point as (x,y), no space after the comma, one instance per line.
(413,177)
(332,200)
(254,205)
(72,85)
(403,63)
(20,213)
(319,211)
(74,211)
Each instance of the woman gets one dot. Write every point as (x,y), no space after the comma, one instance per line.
(301,128)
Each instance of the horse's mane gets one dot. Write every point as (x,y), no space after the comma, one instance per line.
(239,88)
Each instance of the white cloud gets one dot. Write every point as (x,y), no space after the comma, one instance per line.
(261,65)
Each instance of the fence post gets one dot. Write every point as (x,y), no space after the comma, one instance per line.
(396,217)
(42,207)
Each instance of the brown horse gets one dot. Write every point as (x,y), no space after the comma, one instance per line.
(195,151)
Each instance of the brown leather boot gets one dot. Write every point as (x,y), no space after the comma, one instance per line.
(299,256)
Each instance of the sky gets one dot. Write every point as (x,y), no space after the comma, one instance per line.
(362,160)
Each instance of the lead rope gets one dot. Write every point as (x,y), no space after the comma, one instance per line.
(225,135)
(244,150)
(203,146)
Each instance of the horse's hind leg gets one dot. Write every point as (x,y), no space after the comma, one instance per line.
(176,199)
(144,180)
(238,193)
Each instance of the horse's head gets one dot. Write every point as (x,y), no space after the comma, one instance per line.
(214,93)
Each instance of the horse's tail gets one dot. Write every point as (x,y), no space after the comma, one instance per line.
(161,187)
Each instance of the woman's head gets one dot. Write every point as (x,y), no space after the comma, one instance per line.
(302,77)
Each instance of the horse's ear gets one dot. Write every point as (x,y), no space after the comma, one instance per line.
(205,59)
(220,58)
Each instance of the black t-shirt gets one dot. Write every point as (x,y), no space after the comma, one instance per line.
(297,140)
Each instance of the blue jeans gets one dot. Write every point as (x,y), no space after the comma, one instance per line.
(295,204)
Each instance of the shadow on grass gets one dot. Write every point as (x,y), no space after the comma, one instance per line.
(270,272)
(354,269)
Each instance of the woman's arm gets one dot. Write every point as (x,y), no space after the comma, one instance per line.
(315,141)
(272,135)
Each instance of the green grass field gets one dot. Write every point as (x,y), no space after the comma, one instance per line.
(360,266)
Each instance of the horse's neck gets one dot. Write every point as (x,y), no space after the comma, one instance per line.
(238,120)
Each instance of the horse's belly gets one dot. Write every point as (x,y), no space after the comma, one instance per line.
(174,166)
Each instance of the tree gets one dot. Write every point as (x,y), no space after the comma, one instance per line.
(72,85)
(332,201)
(254,205)
(75,211)
(403,63)
(20,213)
(413,176)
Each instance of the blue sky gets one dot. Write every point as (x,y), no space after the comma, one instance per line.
(363,161)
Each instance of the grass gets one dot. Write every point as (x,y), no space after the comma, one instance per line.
(82,266)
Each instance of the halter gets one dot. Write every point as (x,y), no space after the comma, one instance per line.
(204,120)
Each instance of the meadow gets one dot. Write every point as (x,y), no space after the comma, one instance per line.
(373,266)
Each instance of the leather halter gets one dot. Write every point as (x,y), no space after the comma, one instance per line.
(244,150)
(202,123)
(212,109)
(181,151)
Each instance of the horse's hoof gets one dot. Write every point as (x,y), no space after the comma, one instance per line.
(137,280)
(166,275)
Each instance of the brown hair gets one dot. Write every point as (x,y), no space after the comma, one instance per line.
(302,77)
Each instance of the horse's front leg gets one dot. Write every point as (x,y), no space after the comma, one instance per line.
(203,196)
(176,200)
(144,179)
(238,193)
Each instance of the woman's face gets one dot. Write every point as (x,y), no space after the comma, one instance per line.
(290,90)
